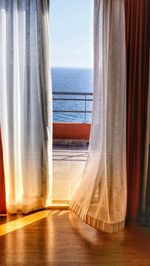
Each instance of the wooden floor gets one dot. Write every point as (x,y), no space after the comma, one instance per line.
(60,238)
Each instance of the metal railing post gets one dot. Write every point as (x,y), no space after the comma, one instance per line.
(85,109)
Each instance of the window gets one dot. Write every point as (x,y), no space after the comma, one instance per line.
(71,51)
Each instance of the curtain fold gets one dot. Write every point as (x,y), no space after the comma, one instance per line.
(145,190)
(100,195)
(25,103)
(2,182)
(137,46)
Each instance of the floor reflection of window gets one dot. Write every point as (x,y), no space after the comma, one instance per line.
(68,163)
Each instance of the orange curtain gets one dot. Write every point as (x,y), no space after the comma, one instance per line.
(138,41)
(2,181)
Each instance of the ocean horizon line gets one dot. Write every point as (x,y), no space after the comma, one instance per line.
(70,67)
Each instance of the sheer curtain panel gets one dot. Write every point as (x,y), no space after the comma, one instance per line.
(100,195)
(25,103)
(2,181)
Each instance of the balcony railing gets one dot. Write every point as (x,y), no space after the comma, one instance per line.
(59,99)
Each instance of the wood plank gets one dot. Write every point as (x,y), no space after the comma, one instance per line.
(60,238)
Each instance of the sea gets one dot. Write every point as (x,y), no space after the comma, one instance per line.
(72,80)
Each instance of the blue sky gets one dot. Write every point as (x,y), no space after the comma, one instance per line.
(71,27)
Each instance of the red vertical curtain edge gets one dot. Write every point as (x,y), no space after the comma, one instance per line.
(2,182)
(137,15)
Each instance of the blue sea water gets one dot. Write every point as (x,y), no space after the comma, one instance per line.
(72,80)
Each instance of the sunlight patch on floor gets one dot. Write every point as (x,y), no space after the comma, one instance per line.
(21,222)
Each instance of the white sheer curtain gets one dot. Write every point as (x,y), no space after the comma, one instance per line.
(25,96)
(100,195)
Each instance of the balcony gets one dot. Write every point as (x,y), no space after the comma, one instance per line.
(70,142)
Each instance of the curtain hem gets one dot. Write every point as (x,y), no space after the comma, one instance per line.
(27,207)
(96,223)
